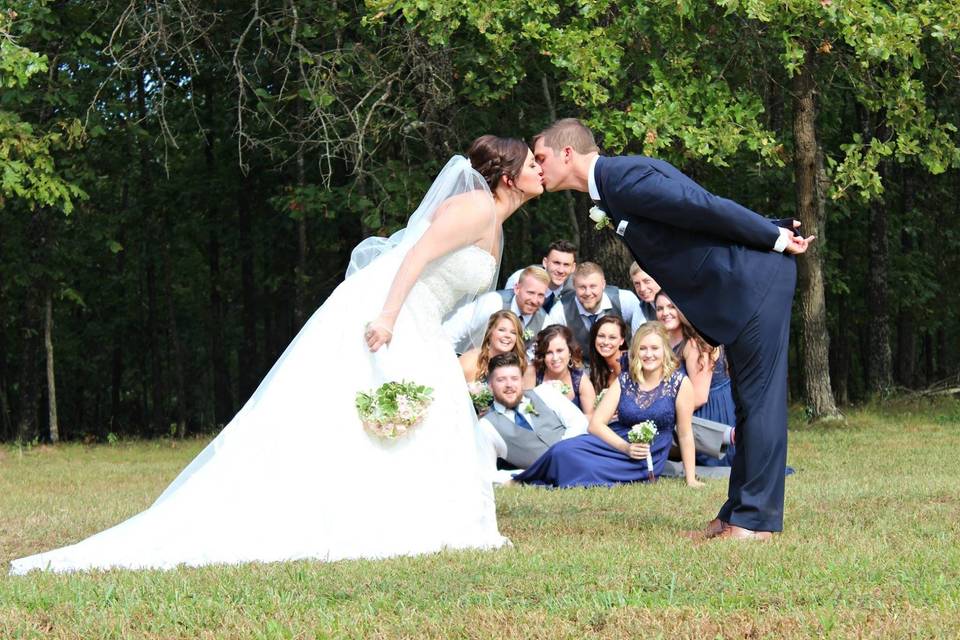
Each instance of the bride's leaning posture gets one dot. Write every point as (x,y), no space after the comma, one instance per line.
(294,474)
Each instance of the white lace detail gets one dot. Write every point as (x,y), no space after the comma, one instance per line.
(445,282)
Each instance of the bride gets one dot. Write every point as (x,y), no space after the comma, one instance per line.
(294,475)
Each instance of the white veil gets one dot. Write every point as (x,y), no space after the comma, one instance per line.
(373,264)
(457,177)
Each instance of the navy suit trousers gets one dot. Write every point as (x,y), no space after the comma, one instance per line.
(758,366)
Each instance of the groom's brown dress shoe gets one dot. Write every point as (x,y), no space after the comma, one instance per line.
(714,528)
(733,532)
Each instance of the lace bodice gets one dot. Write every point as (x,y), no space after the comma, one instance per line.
(657,404)
(445,281)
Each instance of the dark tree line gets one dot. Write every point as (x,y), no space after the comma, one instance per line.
(210,168)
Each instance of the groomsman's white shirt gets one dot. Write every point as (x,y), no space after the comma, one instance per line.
(629,305)
(467,323)
(569,415)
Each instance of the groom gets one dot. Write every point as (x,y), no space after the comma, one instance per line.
(732,274)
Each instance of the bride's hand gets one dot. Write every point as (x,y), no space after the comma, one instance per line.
(377,334)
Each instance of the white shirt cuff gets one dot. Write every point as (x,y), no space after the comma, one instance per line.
(781,244)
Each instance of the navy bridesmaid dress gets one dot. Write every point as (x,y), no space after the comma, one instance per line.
(575,376)
(719,406)
(588,461)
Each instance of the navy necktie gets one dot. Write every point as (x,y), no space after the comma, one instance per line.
(520,421)
(591,318)
(548,302)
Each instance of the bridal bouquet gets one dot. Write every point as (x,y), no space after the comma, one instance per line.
(393,408)
(644,433)
(481,396)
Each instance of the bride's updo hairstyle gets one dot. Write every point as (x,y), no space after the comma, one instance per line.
(494,157)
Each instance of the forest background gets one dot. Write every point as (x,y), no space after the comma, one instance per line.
(181,182)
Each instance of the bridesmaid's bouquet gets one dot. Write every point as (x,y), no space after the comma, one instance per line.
(394,408)
(644,433)
(481,396)
(562,386)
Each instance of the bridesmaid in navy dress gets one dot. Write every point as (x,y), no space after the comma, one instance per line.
(557,358)
(652,388)
(707,369)
(607,355)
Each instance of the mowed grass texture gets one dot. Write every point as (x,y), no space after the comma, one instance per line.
(870,551)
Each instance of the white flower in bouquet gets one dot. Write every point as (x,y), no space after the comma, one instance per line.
(480,395)
(394,408)
(644,433)
(562,386)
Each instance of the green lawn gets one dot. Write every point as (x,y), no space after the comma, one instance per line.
(871,549)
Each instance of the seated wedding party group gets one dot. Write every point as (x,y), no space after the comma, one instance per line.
(565,367)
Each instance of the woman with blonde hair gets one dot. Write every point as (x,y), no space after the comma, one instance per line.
(504,334)
(652,388)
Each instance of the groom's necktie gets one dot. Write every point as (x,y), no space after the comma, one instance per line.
(591,319)
(520,421)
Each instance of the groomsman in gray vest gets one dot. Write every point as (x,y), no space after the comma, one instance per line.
(466,326)
(646,288)
(593,299)
(559,263)
(521,426)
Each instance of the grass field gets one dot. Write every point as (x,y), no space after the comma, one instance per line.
(871,549)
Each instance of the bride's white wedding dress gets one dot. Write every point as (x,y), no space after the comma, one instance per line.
(294,475)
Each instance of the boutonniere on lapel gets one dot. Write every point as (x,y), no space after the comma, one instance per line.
(527,334)
(527,407)
(600,218)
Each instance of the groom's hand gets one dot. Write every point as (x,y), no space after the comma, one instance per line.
(795,244)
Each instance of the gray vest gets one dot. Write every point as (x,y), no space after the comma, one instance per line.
(525,446)
(536,322)
(575,322)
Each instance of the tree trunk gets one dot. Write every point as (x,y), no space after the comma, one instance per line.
(51,379)
(810,194)
(183,410)
(249,363)
(222,398)
(28,385)
(568,197)
(906,330)
(6,419)
(157,393)
(29,396)
(942,353)
(928,369)
(878,355)
(300,282)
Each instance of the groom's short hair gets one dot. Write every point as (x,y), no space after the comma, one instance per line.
(568,132)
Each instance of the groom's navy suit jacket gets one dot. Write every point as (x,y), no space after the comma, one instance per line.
(712,256)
